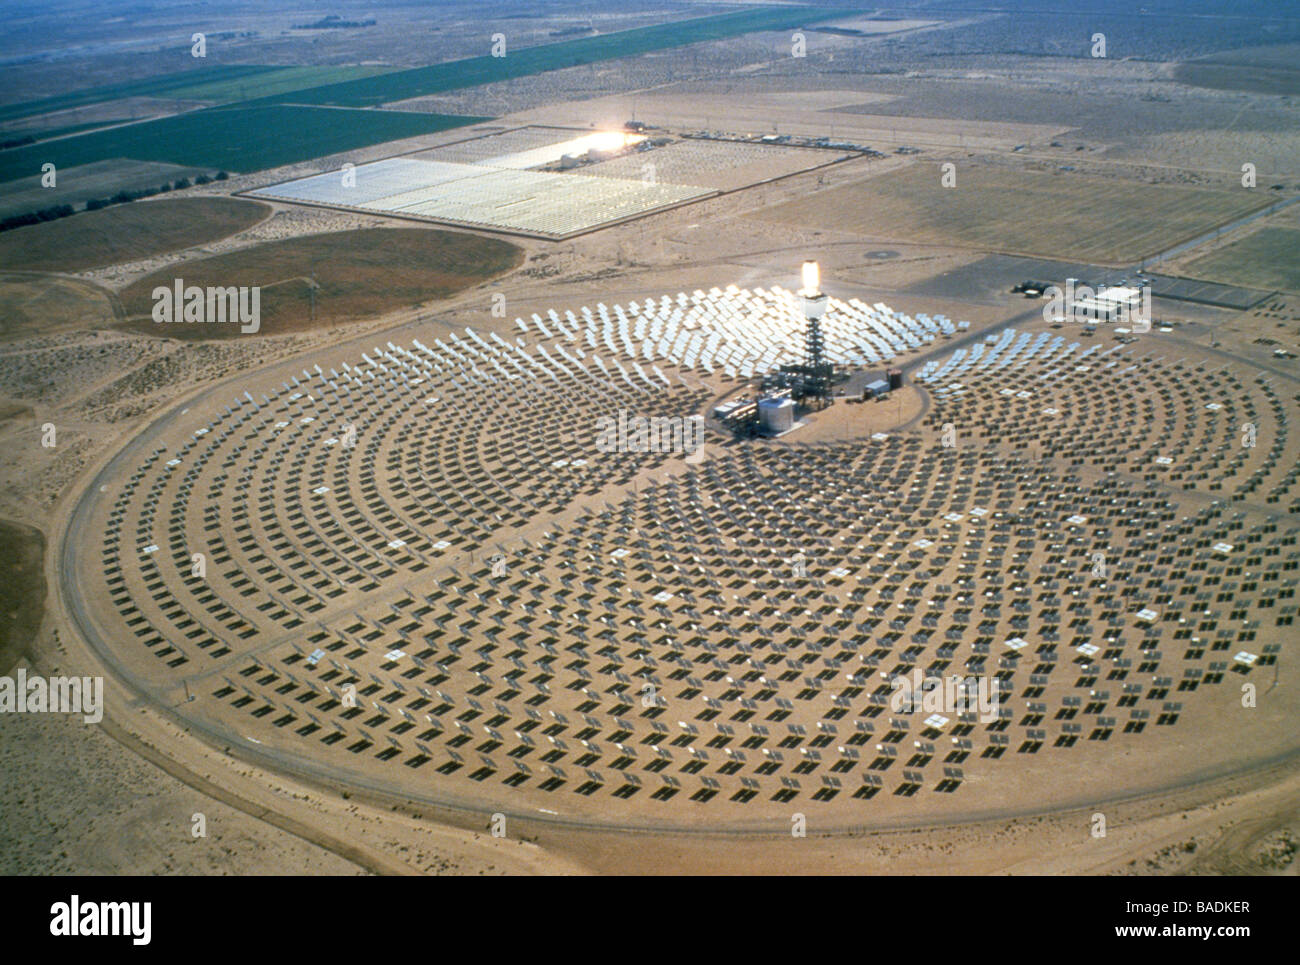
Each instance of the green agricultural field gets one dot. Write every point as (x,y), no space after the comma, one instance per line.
(526,61)
(249,133)
(1054,215)
(1268,258)
(270,83)
(218,84)
(237,139)
(162,86)
(367,86)
(44,133)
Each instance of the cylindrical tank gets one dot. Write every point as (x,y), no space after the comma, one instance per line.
(776,414)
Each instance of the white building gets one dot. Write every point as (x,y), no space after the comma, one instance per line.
(1117,304)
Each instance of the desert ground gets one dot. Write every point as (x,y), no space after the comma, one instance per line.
(1109,164)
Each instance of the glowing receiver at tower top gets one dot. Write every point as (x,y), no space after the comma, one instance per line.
(812,278)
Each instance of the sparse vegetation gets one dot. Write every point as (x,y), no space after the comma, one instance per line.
(330,279)
(1267,258)
(123,234)
(22,591)
(1022,211)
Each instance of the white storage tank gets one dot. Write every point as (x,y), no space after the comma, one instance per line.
(776,414)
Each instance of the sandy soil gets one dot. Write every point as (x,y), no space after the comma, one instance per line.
(1247,825)
(84,804)
(803,113)
(141,771)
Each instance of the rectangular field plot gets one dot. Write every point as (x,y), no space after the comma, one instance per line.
(1057,215)
(1207,292)
(1268,258)
(79,184)
(236,139)
(536,203)
(400,85)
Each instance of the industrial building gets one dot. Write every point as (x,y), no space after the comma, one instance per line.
(1119,303)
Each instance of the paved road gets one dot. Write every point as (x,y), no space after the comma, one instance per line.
(1215,233)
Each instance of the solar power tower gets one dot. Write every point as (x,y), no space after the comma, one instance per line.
(814,388)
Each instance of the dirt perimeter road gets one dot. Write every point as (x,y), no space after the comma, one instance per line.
(162,734)
(65,567)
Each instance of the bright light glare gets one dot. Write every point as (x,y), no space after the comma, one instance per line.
(611,140)
(812,277)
